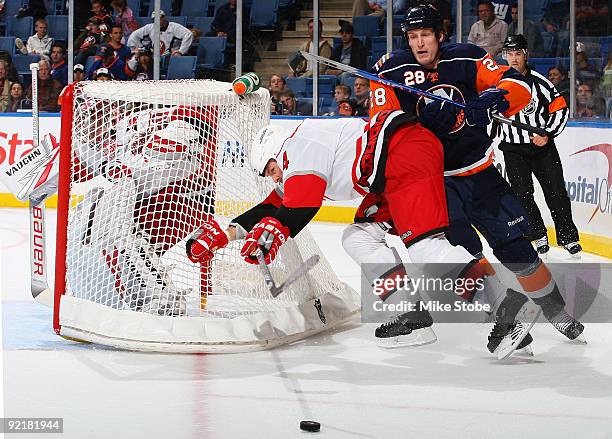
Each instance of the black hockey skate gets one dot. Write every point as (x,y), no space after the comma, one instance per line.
(408,329)
(568,326)
(513,321)
(553,308)
(514,330)
(574,249)
(542,245)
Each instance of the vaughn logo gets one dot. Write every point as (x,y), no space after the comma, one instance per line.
(21,163)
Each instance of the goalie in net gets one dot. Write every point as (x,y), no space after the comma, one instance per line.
(158,172)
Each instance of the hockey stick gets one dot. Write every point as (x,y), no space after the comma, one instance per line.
(39,285)
(293,276)
(372,77)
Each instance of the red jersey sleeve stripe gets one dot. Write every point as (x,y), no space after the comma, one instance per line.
(305,190)
(273,199)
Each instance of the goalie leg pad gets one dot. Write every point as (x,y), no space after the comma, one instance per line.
(143,281)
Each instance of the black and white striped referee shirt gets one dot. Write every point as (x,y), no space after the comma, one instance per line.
(547,109)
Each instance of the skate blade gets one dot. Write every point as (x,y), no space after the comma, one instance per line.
(576,256)
(418,337)
(527,351)
(579,340)
(528,315)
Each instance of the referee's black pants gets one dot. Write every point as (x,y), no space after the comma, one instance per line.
(526,159)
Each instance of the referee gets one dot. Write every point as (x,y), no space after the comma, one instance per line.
(525,154)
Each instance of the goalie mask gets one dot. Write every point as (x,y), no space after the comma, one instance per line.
(266,146)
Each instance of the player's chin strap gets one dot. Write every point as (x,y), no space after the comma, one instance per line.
(372,77)
(293,276)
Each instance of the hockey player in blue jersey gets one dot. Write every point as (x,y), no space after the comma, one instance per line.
(477,195)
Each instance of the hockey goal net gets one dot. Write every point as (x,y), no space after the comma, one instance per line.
(142,165)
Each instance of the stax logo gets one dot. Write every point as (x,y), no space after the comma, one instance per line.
(449,92)
(606,150)
(12,148)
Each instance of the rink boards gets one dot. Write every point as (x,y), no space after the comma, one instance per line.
(585,150)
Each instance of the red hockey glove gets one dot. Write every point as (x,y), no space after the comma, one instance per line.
(478,109)
(203,244)
(268,234)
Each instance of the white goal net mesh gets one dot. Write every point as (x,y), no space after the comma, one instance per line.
(150,162)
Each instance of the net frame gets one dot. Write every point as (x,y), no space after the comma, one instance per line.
(233,314)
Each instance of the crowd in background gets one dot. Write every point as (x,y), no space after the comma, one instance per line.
(112,46)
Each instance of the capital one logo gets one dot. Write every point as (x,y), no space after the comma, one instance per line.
(606,150)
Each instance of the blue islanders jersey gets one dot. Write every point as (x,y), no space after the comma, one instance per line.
(463,71)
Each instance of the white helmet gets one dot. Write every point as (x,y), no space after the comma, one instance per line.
(267,144)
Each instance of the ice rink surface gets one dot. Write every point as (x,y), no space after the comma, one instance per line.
(450,389)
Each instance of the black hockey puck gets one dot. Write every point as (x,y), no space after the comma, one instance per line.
(310,426)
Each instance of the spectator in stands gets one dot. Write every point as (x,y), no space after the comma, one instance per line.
(78,73)
(290,105)
(59,66)
(346,107)
(531,31)
(351,51)
(304,67)
(122,51)
(48,88)
(124,17)
(88,41)
(558,76)
(277,84)
(489,32)
(100,12)
(102,74)
(362,95)
(377,7)
(141,64)
(224,25)
(5,86)
(105,58)
(34,8)
(585,69)
(16,98)
(11,71)
(342,93)
(39,43)
(588,105)
(175,39)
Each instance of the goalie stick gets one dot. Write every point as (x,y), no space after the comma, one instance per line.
(372,77)
(39,285)
(293,276)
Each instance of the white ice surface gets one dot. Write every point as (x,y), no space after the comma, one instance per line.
(450,389)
